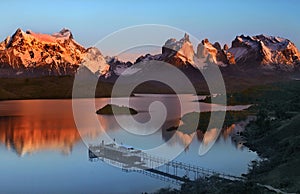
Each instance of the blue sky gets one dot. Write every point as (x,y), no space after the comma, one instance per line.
(91,21)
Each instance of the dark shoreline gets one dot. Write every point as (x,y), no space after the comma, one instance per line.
(60,87)
(275,136)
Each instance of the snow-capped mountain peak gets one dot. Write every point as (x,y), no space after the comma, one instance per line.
(46,54)
(182,49)
(35,54)
(269,51)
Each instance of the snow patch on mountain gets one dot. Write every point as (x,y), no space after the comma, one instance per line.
(238,52)
(45,54)
(270,51)
(95,62)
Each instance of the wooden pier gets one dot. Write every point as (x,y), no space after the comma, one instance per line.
(132,160)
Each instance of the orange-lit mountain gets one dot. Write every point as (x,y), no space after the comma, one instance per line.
(273,53)
(214,53)
(33,54)
(262,52)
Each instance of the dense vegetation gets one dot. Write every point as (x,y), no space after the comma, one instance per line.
(215,185)
(275,135)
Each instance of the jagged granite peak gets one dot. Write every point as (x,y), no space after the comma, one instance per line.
(172,43)
(180,52)
(259,51)
(268,51)
(205,48)
(29,53)
(217,46)
(116,65)
(226,47)
(65,32)
(148,57)
(19,32)
(214,54)
(112,61)
(35,54)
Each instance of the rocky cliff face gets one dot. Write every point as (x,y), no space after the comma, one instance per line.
(181,53)
(178,53)
(267,51)
(93,60)
(117,66)
(28,53)
(214,53)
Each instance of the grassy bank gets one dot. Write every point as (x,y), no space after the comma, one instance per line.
(44,88)
(54,87)
(276,137)
(279,143)
(215,185)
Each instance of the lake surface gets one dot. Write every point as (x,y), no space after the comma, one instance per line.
(43,152)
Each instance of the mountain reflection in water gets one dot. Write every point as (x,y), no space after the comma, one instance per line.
(28,135)
(37,125)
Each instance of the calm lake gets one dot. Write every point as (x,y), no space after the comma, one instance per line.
(42,151)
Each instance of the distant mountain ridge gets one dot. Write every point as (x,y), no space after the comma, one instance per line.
(32,54)
(262,52)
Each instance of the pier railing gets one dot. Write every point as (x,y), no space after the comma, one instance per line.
(131,160)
